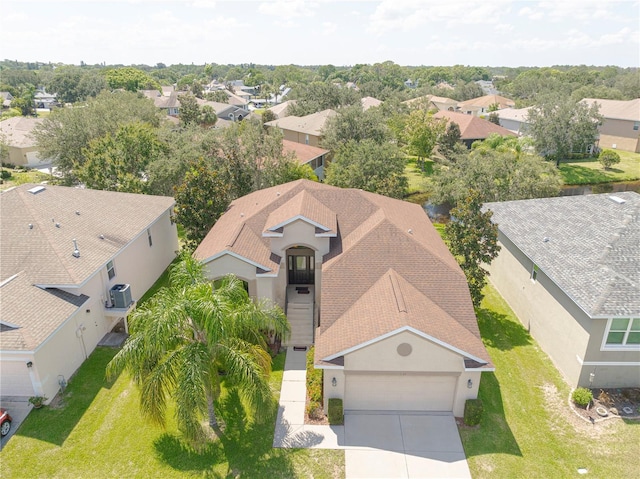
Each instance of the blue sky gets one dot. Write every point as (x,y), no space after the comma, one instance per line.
(408,32)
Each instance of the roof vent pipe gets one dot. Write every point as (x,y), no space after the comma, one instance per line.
(76,252)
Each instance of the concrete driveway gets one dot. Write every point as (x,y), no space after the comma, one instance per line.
(403,446)
(18,408)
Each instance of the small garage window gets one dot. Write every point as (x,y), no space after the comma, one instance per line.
(111,270)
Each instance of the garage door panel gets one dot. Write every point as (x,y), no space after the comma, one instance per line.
(402,392)
(15,379)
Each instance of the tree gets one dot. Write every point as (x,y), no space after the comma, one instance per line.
(268,116)
(65,133)
(119,162)
(498,175)
(319,96)
(219,96)
(494,118)
(130,79)
(473,240)
(450,138)
(207,116)
(560,126)
(185,336)
(370,166)
(64,83)
(608,158)
(201,199)
(189,109)
(353,124)
(421,132)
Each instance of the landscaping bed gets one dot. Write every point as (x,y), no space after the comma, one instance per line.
(608,403)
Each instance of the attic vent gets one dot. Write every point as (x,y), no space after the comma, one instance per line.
(76,252)
(36,189)
(617,199)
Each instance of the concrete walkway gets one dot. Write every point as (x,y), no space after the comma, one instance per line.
(377,445)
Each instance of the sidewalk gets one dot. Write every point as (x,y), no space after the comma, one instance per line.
(291,431)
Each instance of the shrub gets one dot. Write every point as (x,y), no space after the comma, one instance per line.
(604,398)
(608,158)
(582,397)
(336,414)
(314,411)
(314,388)
(5,174)
(473,412)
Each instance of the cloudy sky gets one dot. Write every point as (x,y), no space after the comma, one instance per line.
(408,32)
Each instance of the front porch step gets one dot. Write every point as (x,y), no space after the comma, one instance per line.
(300,316)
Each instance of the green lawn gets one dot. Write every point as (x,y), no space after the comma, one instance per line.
(22,177)
(527,429)
(590,171)
(418,179)
(98,432)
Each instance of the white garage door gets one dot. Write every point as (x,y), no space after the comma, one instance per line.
(402,392)
(15,379)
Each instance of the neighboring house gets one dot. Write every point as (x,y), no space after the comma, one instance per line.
(514,119)
(482,106)
(472,128)
(171,104)
(369,102)
(570,269)
(280,110)
(313,156)
(621,127)
(433,102)
(44,101)
(73,264)
(303,129)
(15,132)
(487,87)
(6,99)
(167,90)
(369,281)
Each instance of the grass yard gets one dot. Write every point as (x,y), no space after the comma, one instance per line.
(590,171)
(22,177)
(418,179)
(527,429)
(96,431)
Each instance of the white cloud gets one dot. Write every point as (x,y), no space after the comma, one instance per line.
(204,3)
(329,28)
(530,13)
(288,9)
(503,28)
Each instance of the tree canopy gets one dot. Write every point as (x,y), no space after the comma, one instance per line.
(189,333)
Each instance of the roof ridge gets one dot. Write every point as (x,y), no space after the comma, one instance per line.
(397,291)
(236,234)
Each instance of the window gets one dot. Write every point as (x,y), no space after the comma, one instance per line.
(149,236)
(534,273)
(623,332)
(111,270)
(636,125)
(306,139)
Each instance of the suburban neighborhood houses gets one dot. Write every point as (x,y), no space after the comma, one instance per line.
(278,270)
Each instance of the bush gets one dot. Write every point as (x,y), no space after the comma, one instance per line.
(473,412)
(314,388)
(608,158)
(5,174)
(582,397)
(336,414)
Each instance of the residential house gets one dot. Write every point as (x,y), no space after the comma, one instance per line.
(17,135)
(303,129)
(569,268)
(369,102)
(369,281)
(6,99)
(313,156)
(73,264)
(483,105)
(280,110)
(433,102)
(472,128)
(45,101)
(515,120)
(621,127)
(171,104)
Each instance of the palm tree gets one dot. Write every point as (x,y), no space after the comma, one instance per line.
(189,332)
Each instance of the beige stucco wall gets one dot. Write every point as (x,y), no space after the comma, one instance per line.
(426,357)
(300,137)
(561,329)
(226,264)
(27,156)
(619,133)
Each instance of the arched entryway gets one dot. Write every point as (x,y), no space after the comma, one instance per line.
(300,294)
(300,265)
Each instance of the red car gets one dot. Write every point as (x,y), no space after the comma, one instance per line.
(5,422)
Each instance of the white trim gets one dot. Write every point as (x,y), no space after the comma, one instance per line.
(271,234)
(266,275)
(617,347)
(295,218)
(237,256)
(327,367)
(326,235)
(398,331)
(473,370)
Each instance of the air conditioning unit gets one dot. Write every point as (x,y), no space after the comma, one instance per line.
(120,295)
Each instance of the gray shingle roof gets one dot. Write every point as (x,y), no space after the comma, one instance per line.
(593,247)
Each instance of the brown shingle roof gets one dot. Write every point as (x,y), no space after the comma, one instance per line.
(311,124)
(379,241)
(303,153)
(472,127)
(617,109)
(17,131)
(488,100)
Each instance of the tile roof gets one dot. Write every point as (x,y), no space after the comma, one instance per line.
(311,124)
(374,235)
(37,230)
(17,131)
(472,127)
(592,247)
(617,109)
(303,153)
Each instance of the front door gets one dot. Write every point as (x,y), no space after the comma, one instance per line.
(301,269)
